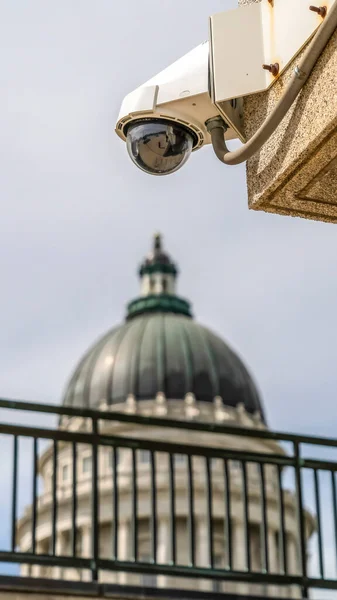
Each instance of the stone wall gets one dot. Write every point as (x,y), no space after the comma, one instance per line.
(295,173)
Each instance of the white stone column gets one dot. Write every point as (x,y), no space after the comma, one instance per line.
(36,570)
(163,543)
(123,538)
(239,555)
(274,565)
(24,570)
(202,550)
(202,543)
(293,565)
(58,571)
(163,548)
(292,556)
(239,546)
(86,541)
(86,549)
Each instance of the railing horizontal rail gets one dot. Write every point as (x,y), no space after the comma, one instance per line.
(46,559)
(170,447)
(142,444)
(168,569)
(153,421)
(102,590)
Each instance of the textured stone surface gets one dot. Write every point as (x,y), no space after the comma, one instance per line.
(295,173)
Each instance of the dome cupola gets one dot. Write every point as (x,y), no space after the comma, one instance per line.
(158,274)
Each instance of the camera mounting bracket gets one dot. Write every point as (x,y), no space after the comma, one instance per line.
(252,45)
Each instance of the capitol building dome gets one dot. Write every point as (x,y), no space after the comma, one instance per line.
(161,349)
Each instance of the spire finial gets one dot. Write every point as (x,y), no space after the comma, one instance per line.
(158,275)
(157,241)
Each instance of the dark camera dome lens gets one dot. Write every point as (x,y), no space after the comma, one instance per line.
(158,148)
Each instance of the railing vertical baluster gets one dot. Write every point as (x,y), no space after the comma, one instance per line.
(334,507)
(54,500)
(283,535)
(134,506)
(94,503)
(153,506)
(191,523)
(209,492)
(265,547)
(115,507)
(301,518)
(74,499)
(14,490)
(319,524)
(246,514)
(172,510)
(34,503)
(228,517)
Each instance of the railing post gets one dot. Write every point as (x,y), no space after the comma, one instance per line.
(228,516)
(34,502)
(172,490)
(246,514)
(334,508)
(283,550)
(319,524)
(134,502)
(94,504)
(265,530)
(209,512)
(74,500)
(14,490)
(191,518)
(153,508)
(115,507)
(301,518)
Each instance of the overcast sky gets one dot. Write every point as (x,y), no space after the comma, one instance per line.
(77,217)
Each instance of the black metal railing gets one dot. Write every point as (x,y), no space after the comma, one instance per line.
(290,483)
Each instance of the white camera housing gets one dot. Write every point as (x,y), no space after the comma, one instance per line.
(212,80)
(180,93)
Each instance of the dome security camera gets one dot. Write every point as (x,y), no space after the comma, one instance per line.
(164,120)
(159,147)
(198,99)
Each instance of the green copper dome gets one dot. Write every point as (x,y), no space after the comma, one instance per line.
(160,348)
(159,303)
